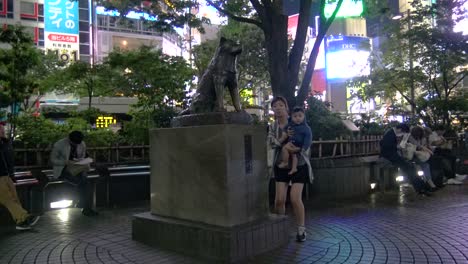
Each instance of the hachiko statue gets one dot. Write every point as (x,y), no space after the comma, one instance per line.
(221,73)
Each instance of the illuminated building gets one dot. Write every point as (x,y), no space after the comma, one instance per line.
(344,54)
(77,30)
(40,17)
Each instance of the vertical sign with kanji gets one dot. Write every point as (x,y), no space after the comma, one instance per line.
(62,29)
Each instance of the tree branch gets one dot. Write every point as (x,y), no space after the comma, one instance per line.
(297,50)
(260,8)
(304,90)
(402,94)
(456,83)
(237,18)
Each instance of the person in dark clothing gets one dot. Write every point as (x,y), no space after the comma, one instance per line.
(299,140)
(389,151)
(8,196)
(444,156)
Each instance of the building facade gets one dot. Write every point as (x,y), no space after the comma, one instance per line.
(36,15)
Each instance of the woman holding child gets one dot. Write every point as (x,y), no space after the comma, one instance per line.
(290,140)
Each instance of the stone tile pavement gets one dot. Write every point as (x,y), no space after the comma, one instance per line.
(398,227)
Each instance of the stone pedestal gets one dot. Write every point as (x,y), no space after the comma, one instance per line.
(209,183)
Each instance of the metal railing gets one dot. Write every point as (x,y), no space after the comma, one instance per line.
(39,157)
(115,154)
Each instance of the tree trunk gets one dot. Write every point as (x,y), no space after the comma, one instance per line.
(323,28)
(276,40)
(305,86)
(297,51)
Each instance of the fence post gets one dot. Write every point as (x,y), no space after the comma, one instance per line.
(341,146)
(117,153)
(320,147)
(334,147)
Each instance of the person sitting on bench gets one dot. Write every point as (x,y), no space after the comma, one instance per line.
(65,158)
(389,151)
(8,196)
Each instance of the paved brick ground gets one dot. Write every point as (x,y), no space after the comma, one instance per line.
(397,227)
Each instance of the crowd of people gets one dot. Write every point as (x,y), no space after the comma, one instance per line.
(418,149)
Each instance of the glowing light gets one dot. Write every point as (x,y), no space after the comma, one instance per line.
(400,178)
(372,185)
(105,121)
(347,57)
(349,8)
(124,42)
(420,173)
(61,204)
(397,17)
(64,215)
(100,10)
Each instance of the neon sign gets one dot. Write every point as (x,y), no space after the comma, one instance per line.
(100,10)
(349,8)
(105,121)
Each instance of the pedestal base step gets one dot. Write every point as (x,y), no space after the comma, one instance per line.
(219,244)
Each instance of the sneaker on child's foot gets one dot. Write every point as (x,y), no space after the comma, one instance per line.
(301,238)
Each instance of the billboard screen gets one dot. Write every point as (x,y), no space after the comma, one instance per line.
(349,8)
(61,29)
(347,57)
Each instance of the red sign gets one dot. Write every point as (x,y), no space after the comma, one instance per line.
(319,82)
(63,38)
(292,25)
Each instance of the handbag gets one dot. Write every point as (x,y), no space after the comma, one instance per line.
(408,151)
(422,156)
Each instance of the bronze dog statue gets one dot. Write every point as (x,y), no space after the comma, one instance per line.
(221,73)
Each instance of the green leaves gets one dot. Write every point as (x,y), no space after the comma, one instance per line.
(20,62)
(422,54)
(155,78)
(252,65)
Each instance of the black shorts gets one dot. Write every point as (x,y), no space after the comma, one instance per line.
(301,176)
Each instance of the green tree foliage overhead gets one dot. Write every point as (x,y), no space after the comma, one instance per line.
(170,13)
(252,65)
(284,63)
(84,80)
(424,61)
(24,69)
(156,79)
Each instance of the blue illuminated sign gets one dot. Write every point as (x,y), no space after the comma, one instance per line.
(100,10)
(347,57)
(61,16)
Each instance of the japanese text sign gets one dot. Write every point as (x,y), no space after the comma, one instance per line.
(61,16)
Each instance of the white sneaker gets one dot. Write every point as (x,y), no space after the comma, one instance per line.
(454,181)
(460,177)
